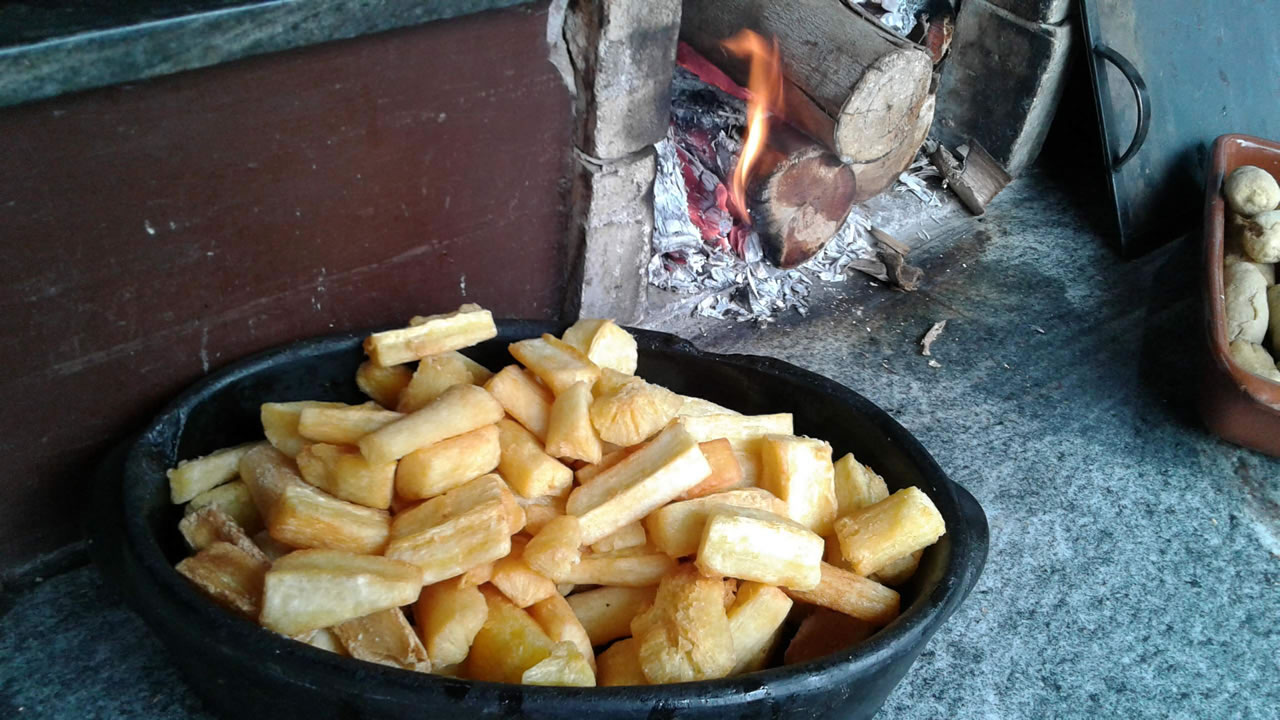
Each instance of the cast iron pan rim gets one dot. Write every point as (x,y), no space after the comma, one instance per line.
(183,609)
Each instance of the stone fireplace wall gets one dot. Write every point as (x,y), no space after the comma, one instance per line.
(618,56)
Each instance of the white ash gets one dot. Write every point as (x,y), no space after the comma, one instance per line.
(740,288)
(915,180)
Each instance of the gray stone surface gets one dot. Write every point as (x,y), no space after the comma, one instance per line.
(142,47)
(613,225)
(71,649)
(623,54)
(1135,560)
(1051,12)
(1001,83)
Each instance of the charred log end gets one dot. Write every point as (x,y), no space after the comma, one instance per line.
(799,206)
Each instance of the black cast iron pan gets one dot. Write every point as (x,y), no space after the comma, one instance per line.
(242,670)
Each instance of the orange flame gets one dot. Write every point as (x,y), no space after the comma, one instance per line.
(765,84)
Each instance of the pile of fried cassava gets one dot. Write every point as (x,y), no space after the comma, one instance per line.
(558,522)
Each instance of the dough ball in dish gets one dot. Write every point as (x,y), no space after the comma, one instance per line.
(1262,237)
(1255,359)
(1246,303)
(1250,190)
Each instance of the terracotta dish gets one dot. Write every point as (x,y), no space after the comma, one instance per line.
(1236,404)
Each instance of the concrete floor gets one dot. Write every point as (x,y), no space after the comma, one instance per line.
(1135,560)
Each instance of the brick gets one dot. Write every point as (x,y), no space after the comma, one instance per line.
(1001,83)
(613,224)
(623,53)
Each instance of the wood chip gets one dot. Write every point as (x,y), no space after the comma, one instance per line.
(926,343)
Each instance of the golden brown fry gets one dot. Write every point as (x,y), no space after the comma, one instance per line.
(604,343)
(632,567)
(857,486)
(737,429)
(343,425)
(564,667)
(459,410)
(310,589)
(443,466)
(306,517)
(383,384)
(627,536)
(760,546)
(509,643)
(431,335)
(417,320)
(272,548)
(557,619)
(852,595)
(606,613)
(541,510)
(586,473)
(556,548)
(556,363)
(202,474)
(633,411)
(323,639)
(520,583)
(435,374)
(512,509)
(823,632)
(206,526)
(639,484)
(523,397)
(730,592)
(676,529)
(799,471)
(620,665)
(453,533)
(234,499)
(569,430)
(448,615)
(876,535)
(529,470)
(897,571)
(343,472)
(280,423)
(831,554)
(755,619)
(476,576)
(744,433)
(229,576)
(267,471)
(695,406)
(685,636)
(726,471)
(384,637)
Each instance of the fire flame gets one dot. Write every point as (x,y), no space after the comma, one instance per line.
(765,85)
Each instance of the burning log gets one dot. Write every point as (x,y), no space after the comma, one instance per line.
(852,85)
(797,206)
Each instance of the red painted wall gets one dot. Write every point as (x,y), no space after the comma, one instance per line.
(154,232)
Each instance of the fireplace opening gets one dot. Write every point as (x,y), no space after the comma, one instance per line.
(732,156)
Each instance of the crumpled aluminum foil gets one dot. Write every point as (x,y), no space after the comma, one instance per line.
(741,288)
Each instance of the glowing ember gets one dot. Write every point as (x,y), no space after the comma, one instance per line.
(765,85)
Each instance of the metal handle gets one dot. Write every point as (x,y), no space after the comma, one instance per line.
(1139,87)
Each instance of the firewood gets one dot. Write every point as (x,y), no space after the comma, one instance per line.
(854,86)
(977,181)
(893,253)
(797,206)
